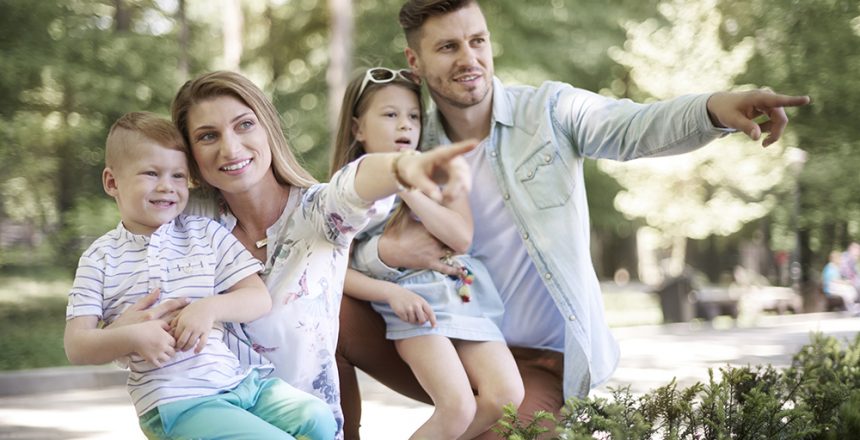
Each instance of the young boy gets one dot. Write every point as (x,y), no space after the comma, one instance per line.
(184,381)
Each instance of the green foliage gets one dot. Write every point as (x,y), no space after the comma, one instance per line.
(32,311)
(71,67)
(24,348)
(811,47)
(512,427)
(816,397)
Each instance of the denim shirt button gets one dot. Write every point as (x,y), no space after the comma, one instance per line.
(547,276)
(506,196)
(492,154)
(526,237)
(547,158)
(571,318)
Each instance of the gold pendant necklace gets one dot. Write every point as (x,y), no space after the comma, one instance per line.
(261,243)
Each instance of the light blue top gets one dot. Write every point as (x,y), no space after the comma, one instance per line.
(537,144)
(829,275)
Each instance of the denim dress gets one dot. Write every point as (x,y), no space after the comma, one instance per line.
(473,318)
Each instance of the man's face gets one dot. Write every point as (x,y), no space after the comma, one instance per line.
(454,57)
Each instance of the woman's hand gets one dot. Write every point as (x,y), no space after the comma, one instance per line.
(143,311)
(440,166)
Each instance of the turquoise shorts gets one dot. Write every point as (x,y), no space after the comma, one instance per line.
(255,409)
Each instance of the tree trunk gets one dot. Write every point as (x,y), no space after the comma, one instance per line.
(340,50)
(844,236)
(232,20)
(122,17)
(272,50)
(807,288)
(68,184)
(679,256)
(184,65)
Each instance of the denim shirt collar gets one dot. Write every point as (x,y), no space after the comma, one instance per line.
(503,113)
(503,109)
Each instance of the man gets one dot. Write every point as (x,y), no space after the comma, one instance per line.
(528,201)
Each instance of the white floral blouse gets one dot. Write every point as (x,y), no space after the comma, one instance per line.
(307,256)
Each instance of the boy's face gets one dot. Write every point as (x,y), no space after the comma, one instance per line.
(455,58)
(150,186)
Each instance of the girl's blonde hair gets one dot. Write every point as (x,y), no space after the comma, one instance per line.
(346,147)
(285,165)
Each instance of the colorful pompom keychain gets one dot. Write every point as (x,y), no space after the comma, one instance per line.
(464,279)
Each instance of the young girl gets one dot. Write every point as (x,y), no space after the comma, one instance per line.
(442,325)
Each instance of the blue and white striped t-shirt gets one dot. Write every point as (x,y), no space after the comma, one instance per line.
(190,257)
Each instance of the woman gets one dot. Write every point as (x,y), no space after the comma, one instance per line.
(252,184)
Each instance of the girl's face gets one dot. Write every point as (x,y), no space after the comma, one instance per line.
(392,121)
(229,144)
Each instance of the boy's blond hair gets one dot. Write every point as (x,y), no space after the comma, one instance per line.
(133,128)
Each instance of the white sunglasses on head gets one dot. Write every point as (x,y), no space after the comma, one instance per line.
(382,75)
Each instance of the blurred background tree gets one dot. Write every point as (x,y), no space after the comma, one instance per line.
(71,67)
(711,191)
(812,46)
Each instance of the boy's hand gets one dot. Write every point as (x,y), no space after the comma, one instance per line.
(153,342)
(192,325)
(410,307)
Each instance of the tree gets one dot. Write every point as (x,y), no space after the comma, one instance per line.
(715,190)
(340,49)
(233,20)
(811,47)
(93,62)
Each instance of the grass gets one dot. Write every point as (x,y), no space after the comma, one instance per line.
(630,305)
(33,306)
(32,318)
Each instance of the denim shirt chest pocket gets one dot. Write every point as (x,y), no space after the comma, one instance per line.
(545,176)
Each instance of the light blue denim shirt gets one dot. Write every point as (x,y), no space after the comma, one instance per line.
(538,141)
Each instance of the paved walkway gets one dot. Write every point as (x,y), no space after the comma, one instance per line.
(651,356)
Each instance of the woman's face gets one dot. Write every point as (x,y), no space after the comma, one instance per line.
(229,144)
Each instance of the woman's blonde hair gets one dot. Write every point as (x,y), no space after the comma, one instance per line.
(355,102)
(285,165)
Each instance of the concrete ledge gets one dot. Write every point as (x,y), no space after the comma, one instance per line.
(44,380)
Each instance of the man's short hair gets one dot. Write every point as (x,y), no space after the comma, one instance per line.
(414,13)
(135,127)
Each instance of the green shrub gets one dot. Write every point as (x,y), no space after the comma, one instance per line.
(816,397)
